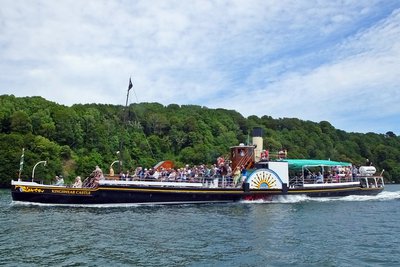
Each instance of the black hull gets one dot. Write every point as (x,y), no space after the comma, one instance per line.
(167,195)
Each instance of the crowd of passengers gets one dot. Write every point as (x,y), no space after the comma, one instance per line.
(203,173)
(335,175)
(200,173)
(187,173)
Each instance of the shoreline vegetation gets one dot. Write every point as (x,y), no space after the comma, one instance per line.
(73,140)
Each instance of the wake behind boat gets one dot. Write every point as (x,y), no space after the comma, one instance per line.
(249,174)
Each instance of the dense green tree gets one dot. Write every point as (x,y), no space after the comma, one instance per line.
(21,122)
(6,110)
(68,127)
(73,140)
(43,124)
(37,148)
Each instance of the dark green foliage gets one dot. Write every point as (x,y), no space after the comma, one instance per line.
(75,139)
(37,148)
(21,123)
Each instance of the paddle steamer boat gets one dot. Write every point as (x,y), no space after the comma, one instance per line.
(264,179)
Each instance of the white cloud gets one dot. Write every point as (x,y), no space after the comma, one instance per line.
(359,82)
(293,59)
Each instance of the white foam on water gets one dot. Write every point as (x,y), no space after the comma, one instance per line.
(290,199)
(114,205)
(383,196)
(119,205)
(281,199)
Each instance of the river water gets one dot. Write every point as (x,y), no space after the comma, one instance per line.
(298,231)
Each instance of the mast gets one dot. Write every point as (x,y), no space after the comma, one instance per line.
(130,86)
(125,116)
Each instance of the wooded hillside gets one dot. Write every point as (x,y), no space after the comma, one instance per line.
(75,139)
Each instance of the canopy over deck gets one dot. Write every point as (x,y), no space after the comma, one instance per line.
(301,163)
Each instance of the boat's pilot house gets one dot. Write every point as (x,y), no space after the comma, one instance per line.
(242,156)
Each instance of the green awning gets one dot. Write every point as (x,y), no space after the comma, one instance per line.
(301,163)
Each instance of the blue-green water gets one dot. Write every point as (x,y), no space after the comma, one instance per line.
(350,231)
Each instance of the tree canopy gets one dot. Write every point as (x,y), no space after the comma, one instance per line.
(73,140)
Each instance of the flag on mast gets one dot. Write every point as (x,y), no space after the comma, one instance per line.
(130,84)
(21,163)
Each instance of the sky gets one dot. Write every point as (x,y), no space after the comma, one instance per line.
(336,61)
